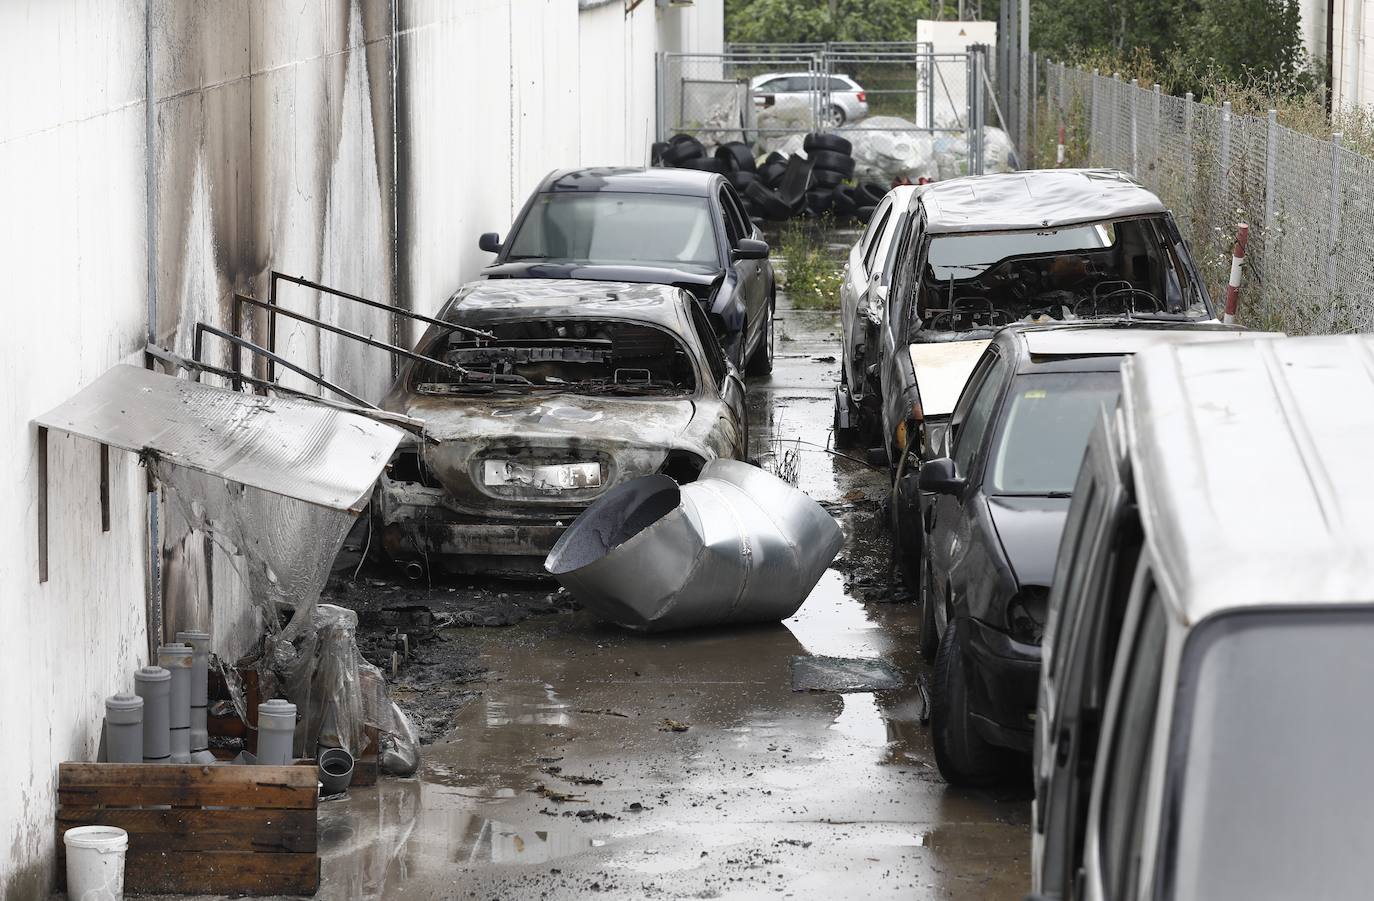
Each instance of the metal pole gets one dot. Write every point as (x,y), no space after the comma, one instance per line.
(1023,79)
(1156,132)
(970,87)
(1335,237)
(1034,108)
(660,85)
(1224,177)
(1135,127)
(1271,173)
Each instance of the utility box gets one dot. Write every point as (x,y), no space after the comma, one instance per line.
(947,75)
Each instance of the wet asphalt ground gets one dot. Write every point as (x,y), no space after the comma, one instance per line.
(568,759)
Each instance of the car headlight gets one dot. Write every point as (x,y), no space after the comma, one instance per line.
(1027,612)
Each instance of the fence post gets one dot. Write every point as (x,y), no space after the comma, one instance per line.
(1157,133)
(1188,171)
(1135,127)
(1224,155)
(1271,173)
(1335,237)
(1034,106)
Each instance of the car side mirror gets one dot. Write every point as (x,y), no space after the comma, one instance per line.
(751,249)
(939,476)
(490,242)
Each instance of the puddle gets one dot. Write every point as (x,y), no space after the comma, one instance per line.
(842,674)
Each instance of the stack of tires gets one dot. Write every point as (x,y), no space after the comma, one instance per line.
(829,188)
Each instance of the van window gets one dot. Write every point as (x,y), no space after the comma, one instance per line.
(1128,763)
(1066,597)
(1269,780)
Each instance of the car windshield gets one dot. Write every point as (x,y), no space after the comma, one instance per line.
(1045,430)
(1269,763)
(1126,267)
(964,256)
(606,227)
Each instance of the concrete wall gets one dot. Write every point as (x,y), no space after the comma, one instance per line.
(1352,53)
(361,144)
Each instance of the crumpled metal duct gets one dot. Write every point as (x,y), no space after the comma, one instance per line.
(738,545)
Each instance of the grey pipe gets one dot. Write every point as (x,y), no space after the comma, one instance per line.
(153,684)
(176,659)
(200,686)
(124,729)
(738,545)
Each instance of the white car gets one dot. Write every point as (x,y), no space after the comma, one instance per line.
(863,303)
(787,94)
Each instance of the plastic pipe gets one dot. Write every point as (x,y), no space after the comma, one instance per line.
(176,659)
(153,684)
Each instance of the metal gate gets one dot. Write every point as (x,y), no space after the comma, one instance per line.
(762,94)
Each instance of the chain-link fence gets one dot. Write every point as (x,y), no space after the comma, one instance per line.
(1309,267)
(766,94)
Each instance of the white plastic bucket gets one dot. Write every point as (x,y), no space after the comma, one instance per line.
(95,863)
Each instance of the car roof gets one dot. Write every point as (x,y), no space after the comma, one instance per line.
(503,299)
(632,179)
(1252,466)
(1117,337)
(1039,198)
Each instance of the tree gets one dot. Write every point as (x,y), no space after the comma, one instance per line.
(816,21)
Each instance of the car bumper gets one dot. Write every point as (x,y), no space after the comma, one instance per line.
(1003,676)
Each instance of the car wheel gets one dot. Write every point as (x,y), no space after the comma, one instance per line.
(929,641)
(761,363)
(681,149)
(961,754)
(844,437)
(834,117)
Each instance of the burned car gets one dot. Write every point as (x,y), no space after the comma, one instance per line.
(583,386)
(657,226)
(1053,245)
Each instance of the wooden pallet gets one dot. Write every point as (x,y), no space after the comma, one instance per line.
(247,830)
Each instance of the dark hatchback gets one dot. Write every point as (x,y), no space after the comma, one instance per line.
(1000,486)
(651,226)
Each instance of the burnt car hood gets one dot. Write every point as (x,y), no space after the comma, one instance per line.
(534,418)
(1029,529)
(651,275)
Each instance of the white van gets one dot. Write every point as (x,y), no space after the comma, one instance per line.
(1204,725)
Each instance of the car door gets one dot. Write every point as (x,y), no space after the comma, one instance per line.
(749,275)
(1096,562)
(947,530)
(896,377)
(854,287)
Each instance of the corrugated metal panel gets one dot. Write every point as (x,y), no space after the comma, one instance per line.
(294,448)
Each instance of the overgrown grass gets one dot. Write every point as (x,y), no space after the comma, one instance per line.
(809,273)
(1300,106)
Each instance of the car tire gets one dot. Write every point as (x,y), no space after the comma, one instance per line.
(822,140)
(842,200)
(737,156)
(741,179)
(818,200)
(831,161)
(771,173)
(776,157)
(826,178)
(961,754)
(761,363)
(705,164)
(844,438)
(680,151)
(869,194)
(656,152)
(768,203)
(928,642)
(834,117)
(864,213)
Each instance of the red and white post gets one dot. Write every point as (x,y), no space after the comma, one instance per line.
(1233,286)
(1059,154)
